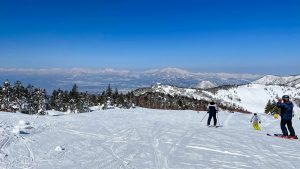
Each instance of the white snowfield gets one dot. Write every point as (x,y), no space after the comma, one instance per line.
(252,97)
(143,139)
(293,81)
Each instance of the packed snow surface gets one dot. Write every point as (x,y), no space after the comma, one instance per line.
(143,139)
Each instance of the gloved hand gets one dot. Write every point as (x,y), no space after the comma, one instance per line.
(259,122)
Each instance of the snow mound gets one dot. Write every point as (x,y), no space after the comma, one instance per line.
(24,123)
(55,113)
(2,130)
(96,108)
(16,130)
(205,85)
(59,148)
(23,127)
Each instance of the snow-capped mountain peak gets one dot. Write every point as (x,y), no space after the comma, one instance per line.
(292,81)
(205,85)
(168,72)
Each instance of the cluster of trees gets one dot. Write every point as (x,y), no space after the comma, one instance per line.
(271,108)
(24,99)
(78,102)
(156,100)
(31,100)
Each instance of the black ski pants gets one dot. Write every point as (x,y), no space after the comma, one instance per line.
(212,115)
(283,123)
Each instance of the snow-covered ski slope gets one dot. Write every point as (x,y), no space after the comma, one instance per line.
(252,97)
(143,139)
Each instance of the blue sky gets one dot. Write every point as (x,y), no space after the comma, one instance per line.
(240,36)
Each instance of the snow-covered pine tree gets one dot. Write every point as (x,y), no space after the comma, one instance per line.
(57,100)
(6,96)
(115,96)
(109,91)
(28,104)
(53,98)
(65,101)
(84,103)
(40,101)
(74,102)
(18,96)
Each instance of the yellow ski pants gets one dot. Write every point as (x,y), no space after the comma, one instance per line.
(256,126)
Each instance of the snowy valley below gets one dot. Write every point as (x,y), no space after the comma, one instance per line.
(143,138)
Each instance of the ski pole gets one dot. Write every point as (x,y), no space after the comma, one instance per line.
(264,128)
(272,111)
(204,117)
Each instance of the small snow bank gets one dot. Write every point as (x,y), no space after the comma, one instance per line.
(24,123)
(23,127)
(59,148)
(96,108)
(55,113)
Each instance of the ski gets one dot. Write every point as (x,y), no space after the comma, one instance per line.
(280,136)
(215,126)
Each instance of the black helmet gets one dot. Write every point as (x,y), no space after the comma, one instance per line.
(285,97)
(255,113)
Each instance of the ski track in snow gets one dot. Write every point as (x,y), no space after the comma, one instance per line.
(144,139)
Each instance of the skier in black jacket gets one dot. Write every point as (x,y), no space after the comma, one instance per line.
(212,109)
(286,116)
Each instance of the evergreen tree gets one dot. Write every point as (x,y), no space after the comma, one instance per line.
(74,102)
(268,107)
(6,96)
(109,91)
(29,105)
(18,96)
(115,97)
(65,101)
(271,108)
(53,100)
(39,101)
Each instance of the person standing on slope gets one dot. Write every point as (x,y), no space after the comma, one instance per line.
(212,109)
(255,120)
(286,107)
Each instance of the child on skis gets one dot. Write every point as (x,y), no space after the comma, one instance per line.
(255,122)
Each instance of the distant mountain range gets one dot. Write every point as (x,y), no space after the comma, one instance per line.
(95,80)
